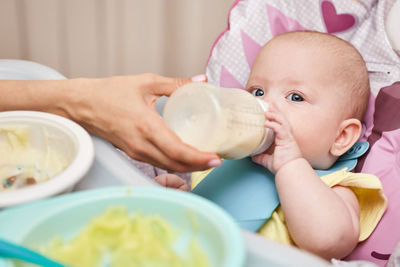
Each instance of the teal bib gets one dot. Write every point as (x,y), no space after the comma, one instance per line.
(247,190)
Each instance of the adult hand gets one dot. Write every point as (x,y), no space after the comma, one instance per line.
(121,109)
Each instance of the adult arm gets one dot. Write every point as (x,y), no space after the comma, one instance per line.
(120,109)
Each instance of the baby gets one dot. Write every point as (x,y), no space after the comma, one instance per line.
(317,88)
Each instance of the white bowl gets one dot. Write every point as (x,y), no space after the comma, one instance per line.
(76,145)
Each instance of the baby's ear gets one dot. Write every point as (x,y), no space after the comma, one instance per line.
(348,134)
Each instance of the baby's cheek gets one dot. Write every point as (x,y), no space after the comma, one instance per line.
(316,152)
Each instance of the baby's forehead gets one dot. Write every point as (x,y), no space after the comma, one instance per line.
(291,57)
(321,46)
(325,54)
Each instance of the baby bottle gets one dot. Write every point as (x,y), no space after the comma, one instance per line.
(225,121)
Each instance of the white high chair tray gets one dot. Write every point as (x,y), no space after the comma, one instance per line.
(111,168)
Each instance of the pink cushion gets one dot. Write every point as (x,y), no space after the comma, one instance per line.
(383,160)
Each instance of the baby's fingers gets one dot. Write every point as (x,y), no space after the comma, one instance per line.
(172,181)
(273,125)
(263,159)
(278,125)
(274,116)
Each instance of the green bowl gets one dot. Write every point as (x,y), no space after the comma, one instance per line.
(66,215)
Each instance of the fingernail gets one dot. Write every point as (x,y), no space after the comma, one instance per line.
(199,78)
(214,163)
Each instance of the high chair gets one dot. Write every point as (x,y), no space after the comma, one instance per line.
(370,25)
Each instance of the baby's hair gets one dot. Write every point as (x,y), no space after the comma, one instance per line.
(354,71)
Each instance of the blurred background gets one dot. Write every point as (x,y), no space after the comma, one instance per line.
(96,38)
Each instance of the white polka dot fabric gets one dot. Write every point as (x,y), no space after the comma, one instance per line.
(362,25)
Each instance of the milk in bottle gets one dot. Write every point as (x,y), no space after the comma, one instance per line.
(226,121)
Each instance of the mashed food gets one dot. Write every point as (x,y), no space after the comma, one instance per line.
(28,155)
(118,239)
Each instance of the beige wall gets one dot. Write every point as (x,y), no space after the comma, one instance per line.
(97,38)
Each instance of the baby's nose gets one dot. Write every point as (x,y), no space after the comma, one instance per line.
(263,104)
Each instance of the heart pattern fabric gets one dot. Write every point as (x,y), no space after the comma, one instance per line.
(335,22)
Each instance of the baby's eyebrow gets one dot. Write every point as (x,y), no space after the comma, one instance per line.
(259,79)
(294,82)
(262,80)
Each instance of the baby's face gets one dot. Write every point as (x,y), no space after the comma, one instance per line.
(301,83)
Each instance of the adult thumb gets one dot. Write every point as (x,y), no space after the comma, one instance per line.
(179,82)
(169,85)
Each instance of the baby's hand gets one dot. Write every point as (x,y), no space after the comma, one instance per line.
(172,181)
(285,148)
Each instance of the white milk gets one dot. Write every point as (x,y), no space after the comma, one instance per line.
(226,121)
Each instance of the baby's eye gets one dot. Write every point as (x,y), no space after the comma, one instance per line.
(295,97)
(257,92)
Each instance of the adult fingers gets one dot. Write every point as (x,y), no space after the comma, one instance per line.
(187,155)
(172,147)
(186,158)
(156,144)
(142,150)
(149,152)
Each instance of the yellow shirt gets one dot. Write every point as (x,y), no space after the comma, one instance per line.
(366,187)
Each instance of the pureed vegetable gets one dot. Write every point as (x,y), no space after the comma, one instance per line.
(118,239)
(28,155)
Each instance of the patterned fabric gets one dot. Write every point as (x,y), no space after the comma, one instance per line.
(252,23)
